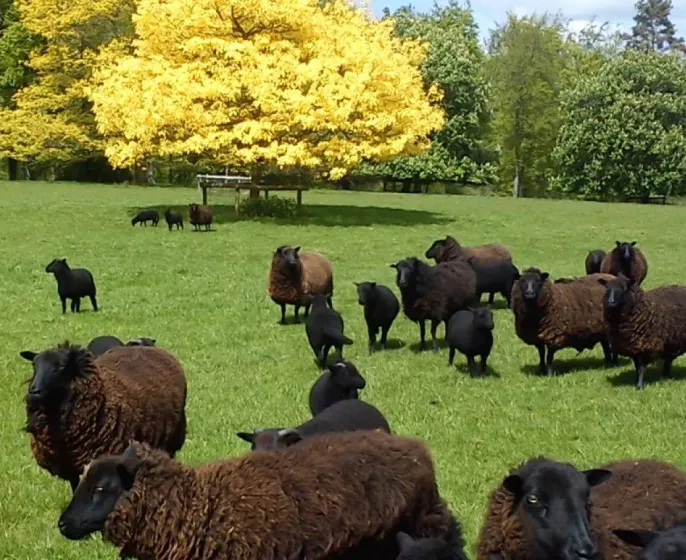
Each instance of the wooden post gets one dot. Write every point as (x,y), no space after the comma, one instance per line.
(266,194)
(299,197)
(238,198)
(204,195)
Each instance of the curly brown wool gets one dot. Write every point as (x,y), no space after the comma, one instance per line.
(340,496)
(451,250)
(636,492)
(637,271)
(567,314)
(130,392)
(200,215)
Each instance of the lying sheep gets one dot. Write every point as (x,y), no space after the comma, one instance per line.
(264,505)
(173,218)
(381,307)
(79,406)
(494,277)
(448,249)
(324,329)
(627,259)
(341,382)
(294,275)
(434,293)
(664,543)
(101,344)
(73,284)
(142,341)
(344,416)
(200,215)
(546,509)
(426,549)
(645,325)
(561,315)
(145,216)
(471,332)
(593,261)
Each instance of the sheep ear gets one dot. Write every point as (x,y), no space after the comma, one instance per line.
(394,265)
(594,477)
(544,275)
(372,285)
(633,243)
(638,538)
(64,260)
(127,466)
(289,436)
(618,243)
(357,284)
(246,436)
(403,540)
(514,484)
(28,355)
(296,249)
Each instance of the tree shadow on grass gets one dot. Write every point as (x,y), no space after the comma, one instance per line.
(571,365)
(652,375)
(317,215)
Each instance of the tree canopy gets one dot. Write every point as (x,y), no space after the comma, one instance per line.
(653,29)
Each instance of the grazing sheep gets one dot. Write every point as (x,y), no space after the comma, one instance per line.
(593,261)
(546,509)
(324,329)
(73,284)
(560,315)
(381,307)
(79,407)
(434,293)
(101,344)
(200,215)
(294,275)
(665,543)
(350,415)
(426,549)
(173,218)
(145,216)
(341,382)
(265,505)
(471,332)
(142,341)
(645,325)
(448,249)
(494,277)
(627,259)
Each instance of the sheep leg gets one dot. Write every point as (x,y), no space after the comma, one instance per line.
(325,354)
(491,297)
(384,337)
(78,305)
(72,306)
(64,304)
(640,371)
(372,339)
(434,326)
(307,310)
(472,366)
(607,352)
(283,313)
(549,362)
(339,353)
(94,302)
(484,357)
(422,335)
(297,310)
(541,357)
(451,356)
(328,300)
(667,366)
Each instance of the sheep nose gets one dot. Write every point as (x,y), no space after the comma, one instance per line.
(587,550)
(61,525)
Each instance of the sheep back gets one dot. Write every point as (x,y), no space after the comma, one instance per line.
(313,275)
(612,265)
(451,250)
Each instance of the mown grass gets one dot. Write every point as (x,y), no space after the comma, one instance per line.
(203,296)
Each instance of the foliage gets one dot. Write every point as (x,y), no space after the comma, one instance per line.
(625,129)
(653,30)
(262,82)
(528,56)
(15,45)
(272,207)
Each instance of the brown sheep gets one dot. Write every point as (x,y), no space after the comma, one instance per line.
(449,249)
(79,407)
(627,259)
(338,496)
(560,315)
(645,325)
(200,215)
(294,275)
(543,510)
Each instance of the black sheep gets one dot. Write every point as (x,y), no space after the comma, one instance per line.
(341,382)
(471,332)
(73,284)
(593,261)
(381,307)
(324,329)
(144,216)
(426,549)
(173,218)
(494,277)
(101,344)
(669,544)
(344,416)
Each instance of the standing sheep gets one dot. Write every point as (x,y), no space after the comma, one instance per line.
(350,415)
(264,505)
(448,249)
(341,382)
(494,277)
(560,315)
(145,216)
(434,293)
(172,218)
(200,215)
(381,307)
(73,284)
(79,407)
(471,332)
(294,275)
(594,260)
(645,325)
(324,329)
(627,259)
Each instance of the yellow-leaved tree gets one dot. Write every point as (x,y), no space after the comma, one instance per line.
(51,119)
(279,82)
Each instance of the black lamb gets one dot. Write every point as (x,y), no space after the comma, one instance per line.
(73,284)
(381,307)
(494,277)
(324,329)
(145,216)
(471,332)
(173,218)
(101,344)
(344,416)
(593,261)
(341,382)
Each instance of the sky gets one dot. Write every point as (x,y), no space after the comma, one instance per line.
(486,12)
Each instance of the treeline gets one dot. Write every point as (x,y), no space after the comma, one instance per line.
(539,110)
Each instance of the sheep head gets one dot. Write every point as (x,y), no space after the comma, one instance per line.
(57,266)
(626,252)
(483,318)
(663,545)
(531,284)
(269,439)
(346,375)
(406,272)
(365,292)
(288,255)
(616,291)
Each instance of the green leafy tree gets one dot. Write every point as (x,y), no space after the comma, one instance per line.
(624,129)
(653,29)
(527,58)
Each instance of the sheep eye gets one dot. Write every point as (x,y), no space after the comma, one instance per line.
(98,489)
(532,499)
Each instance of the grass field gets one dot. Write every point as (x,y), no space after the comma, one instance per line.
(203,296)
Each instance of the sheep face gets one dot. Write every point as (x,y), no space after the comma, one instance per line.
(53,372)
(552,502)
(96,496)
(616,291)
(434,252)
(288,256)
(421,549)
(345,375)
(406,272)
(666,545)
(57,266)
(269,439)
(483,318)
(531,284)
(365,292)
(626,252)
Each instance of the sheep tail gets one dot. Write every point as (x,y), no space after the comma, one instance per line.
(337,337)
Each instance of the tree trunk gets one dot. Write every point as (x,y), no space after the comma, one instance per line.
(150,173)
(12,168)
(256,181)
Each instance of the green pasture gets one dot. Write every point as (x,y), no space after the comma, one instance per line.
(204,297)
